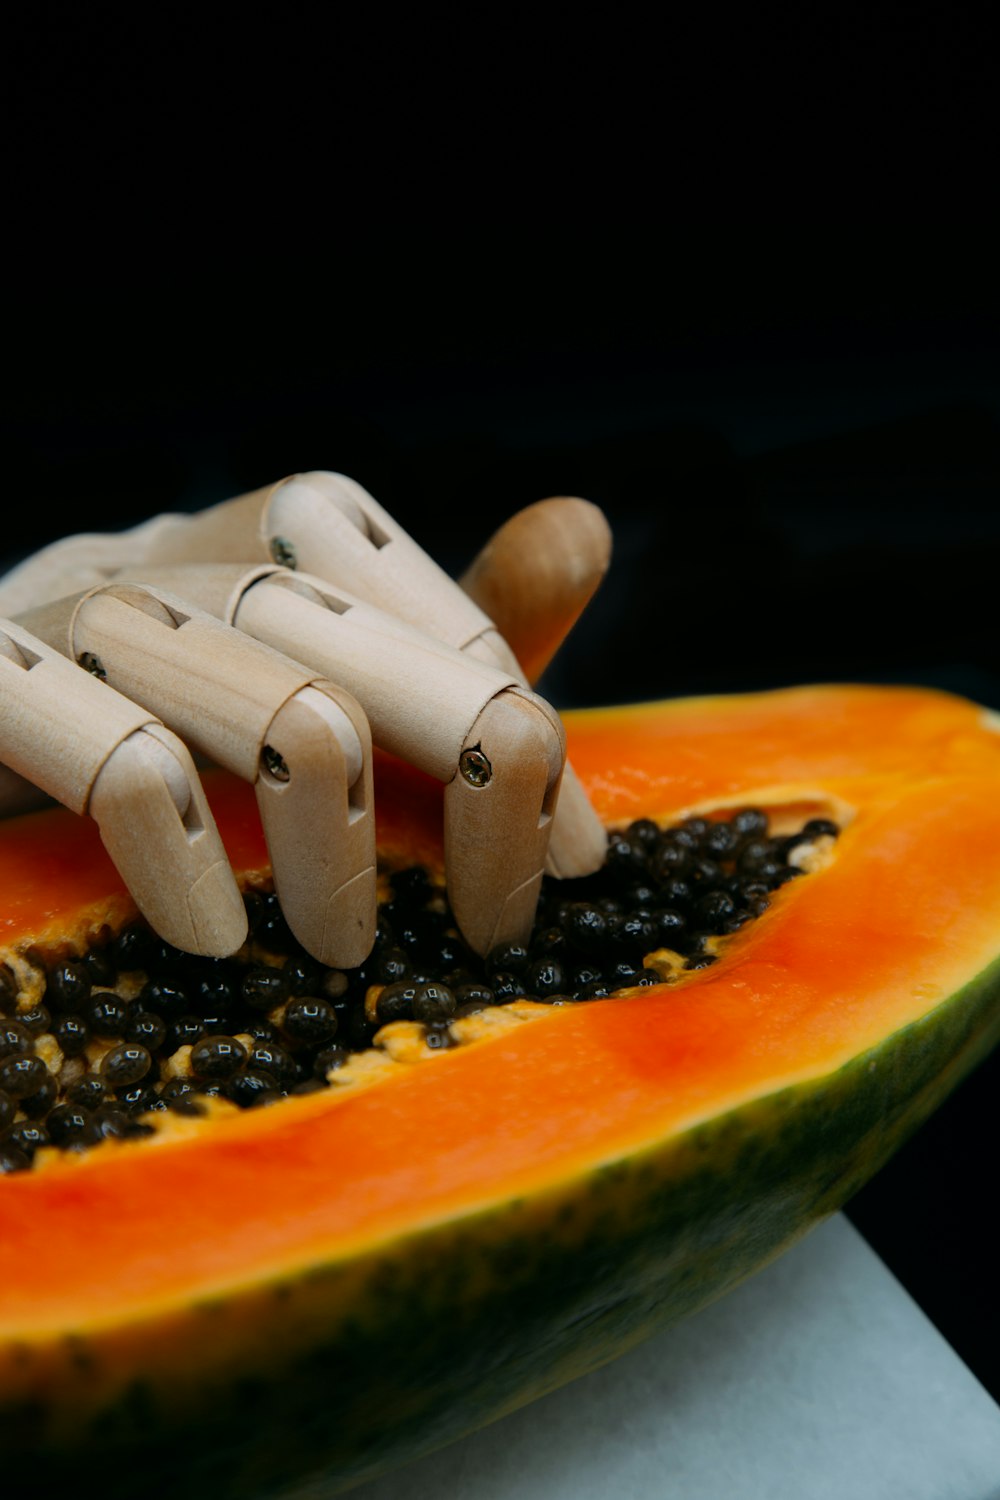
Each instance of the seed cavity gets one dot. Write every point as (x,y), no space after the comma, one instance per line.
(135,1039)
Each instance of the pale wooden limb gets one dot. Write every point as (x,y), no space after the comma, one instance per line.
(502,801)
(317,808)
(75,563)
(537,574)
(424,701)
(96,752)
(339,532)
(302,743)
(579,844)
(533,579)
(420,697)
(330,524)
(170,855)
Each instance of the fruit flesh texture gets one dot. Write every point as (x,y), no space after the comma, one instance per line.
(509,1135)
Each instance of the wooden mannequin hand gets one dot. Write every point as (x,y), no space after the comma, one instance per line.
(311,665)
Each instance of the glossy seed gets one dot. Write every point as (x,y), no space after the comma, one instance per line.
(113,1123)
(395,1003)
(681,835)
(147,1027)
(329,1059)
(753,854)
(507,987)
(670,927)
(310,1019)
(704,874)
(72,1033)
(720,841)
(714,907)
(124,1066)
(165,961)
(670,858)
(268,1057)
(68,987)
(750,823)
(164,999)
(216,1058)
(89,1092)
(100,967)
(178,1088)
(263,988)
(261,1031)
(644,831)
(820,827)
(598,990)
(37,1020)
(38,1103)
(507,958)
(450,953)
(433,1002)
(107,1014)
(544,976)
(184,1032)
(586,927)
(132,948)
(216,989)
(676,892)
(391,965)
(68,1122)
(550,942)
(137,1098)
(635,933)
(470,998)
(303,975)
(15,1039)
(28,1136)
(626,858)
(583,975)
(252,1087)
(21,1075)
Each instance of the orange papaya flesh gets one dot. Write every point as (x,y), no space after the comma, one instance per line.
(420,1257)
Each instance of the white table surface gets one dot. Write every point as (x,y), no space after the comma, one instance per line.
(819,1379)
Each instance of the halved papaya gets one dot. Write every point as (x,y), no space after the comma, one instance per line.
(325,1289)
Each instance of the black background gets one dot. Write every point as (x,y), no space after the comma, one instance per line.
(796,443)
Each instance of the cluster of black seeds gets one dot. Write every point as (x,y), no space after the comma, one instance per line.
(274,1022)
